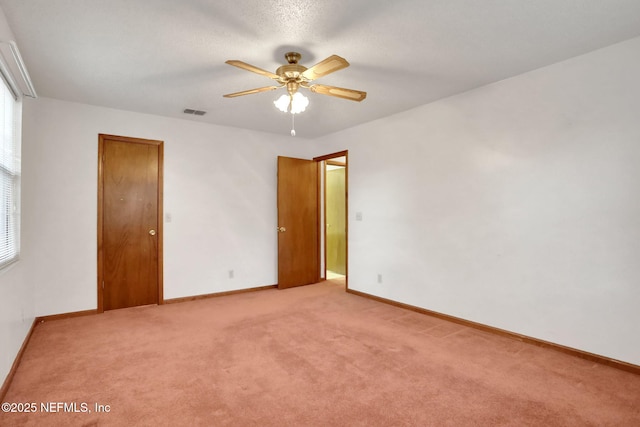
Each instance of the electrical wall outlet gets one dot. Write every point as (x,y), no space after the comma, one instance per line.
(379,278)
(231,274)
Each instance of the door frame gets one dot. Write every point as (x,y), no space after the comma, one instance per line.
(323,227)
(100,229)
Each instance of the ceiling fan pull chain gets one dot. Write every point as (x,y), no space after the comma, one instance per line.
(293,125)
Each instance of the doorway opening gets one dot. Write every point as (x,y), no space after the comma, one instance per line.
(335,223)
(334,216)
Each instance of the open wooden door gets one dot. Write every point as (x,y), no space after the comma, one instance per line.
(298,255)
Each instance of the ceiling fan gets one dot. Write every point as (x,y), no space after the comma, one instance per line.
(294,76)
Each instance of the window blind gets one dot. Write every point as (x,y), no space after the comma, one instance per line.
(9,177)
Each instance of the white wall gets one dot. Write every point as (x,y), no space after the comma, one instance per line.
(219,188)
(515,205)
(16,314)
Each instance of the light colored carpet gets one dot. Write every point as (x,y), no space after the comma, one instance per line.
(309,356)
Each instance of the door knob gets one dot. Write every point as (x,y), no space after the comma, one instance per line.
(281,229)
(152,232)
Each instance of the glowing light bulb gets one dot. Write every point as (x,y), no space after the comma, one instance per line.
(299,103)
(282,103)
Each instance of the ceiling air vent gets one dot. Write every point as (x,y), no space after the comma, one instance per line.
(194,112)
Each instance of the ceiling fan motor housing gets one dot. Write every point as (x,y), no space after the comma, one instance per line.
(291,71)
(291,74)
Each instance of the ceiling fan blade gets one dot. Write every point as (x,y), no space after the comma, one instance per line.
(350,94)
(327,66)
(252,68)
(251,91)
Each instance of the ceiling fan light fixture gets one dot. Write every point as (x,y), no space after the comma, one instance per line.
(293,104)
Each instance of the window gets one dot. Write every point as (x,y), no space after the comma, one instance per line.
(9,177)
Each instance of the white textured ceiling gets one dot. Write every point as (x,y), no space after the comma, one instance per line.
(162,56)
